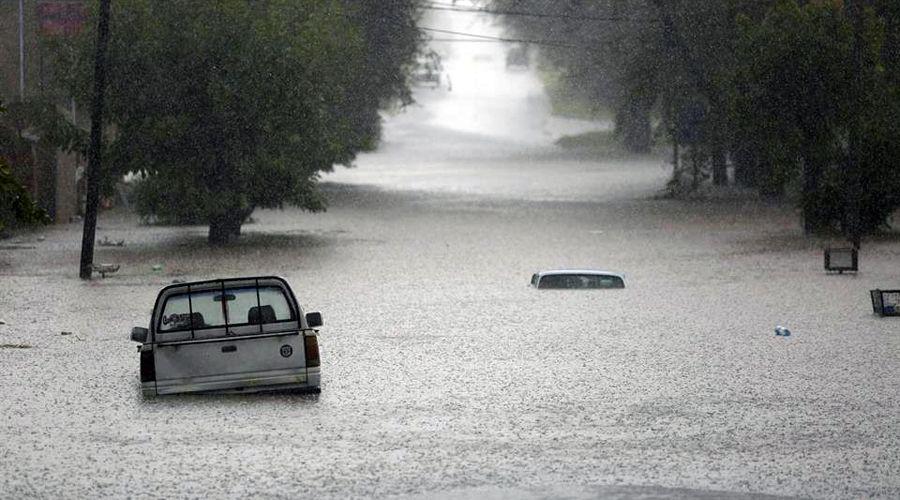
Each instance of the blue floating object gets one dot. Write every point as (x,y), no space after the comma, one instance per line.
(781,331)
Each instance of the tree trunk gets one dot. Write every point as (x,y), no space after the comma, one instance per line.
(811,201)
(768,188)
(719,167)
(696,162)
(224,228)
(676,161)
(633,123)
(744,167)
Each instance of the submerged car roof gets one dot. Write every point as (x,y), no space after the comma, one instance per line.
(579,271)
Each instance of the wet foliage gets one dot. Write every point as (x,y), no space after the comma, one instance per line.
(801,98)
(222,107)
(16,205)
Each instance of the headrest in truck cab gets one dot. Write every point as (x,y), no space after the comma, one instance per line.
(261,314)
(197,321)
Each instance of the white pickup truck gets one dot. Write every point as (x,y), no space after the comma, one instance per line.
(238,334)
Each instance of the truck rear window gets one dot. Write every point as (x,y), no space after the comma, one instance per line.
(248,305)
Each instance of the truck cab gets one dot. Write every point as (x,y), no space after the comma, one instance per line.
(238,334)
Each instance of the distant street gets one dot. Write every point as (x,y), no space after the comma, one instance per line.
(444,374)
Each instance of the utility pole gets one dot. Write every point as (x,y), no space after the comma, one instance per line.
(22,50)
(94,169)
(668,32)
(852,169)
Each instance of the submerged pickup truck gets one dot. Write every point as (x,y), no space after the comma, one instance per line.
(237,334)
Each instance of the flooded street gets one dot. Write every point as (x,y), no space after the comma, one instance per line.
(444,375)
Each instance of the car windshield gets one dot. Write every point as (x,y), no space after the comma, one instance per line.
(581,281)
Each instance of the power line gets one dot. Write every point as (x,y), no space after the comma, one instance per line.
(474,37)
(473,40)
(552,43)
(444,7)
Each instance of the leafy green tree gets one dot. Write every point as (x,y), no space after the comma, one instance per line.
(605,53)
(51,131)
(808,85)
(16,206)
(230,105)
(390,41)
(794,92)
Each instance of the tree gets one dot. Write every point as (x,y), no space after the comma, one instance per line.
(817,104)
(794,92)
(16,206)
(227,106)
(39,118)
(390,41)
(605,53)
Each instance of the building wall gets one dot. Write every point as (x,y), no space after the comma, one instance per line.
(9,48)
(67,203)
(56,173)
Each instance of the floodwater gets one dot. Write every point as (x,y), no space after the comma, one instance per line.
(444,374)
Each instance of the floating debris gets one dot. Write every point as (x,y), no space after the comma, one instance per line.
(781,331)
(885,302)
(66,333)
(841,260)
(157,267)
(106,242)
(105,269)
(15,346)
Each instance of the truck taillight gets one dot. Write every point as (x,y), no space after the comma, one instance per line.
(148,366)
(311,344)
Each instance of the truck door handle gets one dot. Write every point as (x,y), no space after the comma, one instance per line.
(229,348)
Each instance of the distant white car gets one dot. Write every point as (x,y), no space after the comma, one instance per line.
(577,279)
(428,70)
(517,57)
(238,334)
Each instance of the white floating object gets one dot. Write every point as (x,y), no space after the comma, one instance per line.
(105,269)
(781,331)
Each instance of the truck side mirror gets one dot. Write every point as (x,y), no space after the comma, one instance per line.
(139,334)
(314,319)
